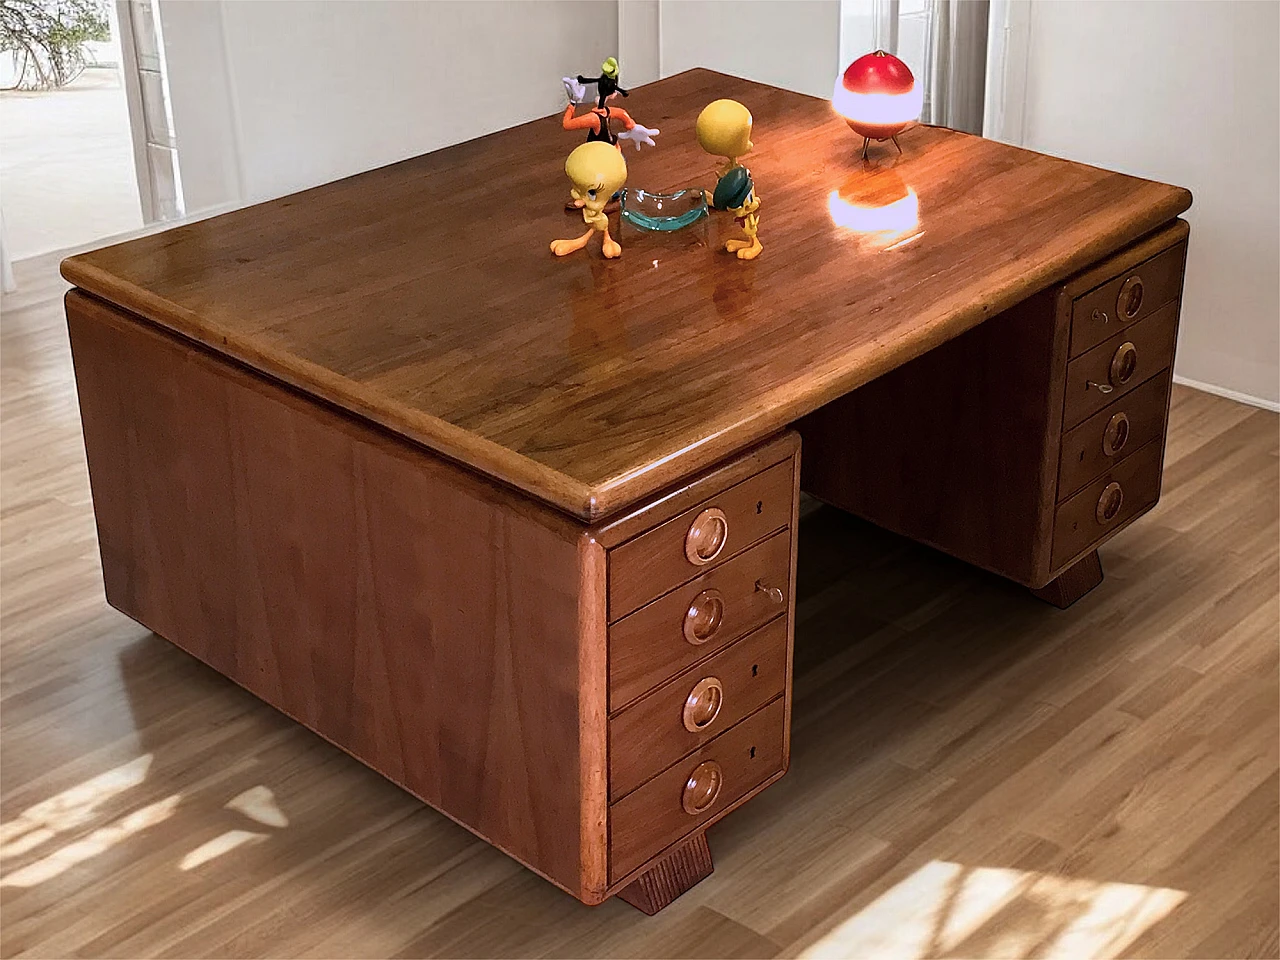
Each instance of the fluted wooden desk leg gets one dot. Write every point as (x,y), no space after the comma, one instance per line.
(671,876)
(1074,582)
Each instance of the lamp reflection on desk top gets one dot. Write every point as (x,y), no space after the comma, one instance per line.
(879,206)
(878,96)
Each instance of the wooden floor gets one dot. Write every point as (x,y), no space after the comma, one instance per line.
(974,773)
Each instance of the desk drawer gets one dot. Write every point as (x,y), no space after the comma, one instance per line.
(1106,310)
(696,706)
(1113,433)
(1112,369)
(696,790)
(699,539)
(1105,505)
(698,618)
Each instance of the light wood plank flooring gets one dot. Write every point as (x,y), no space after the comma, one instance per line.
(974,772)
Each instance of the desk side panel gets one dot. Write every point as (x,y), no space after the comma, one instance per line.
(424,621)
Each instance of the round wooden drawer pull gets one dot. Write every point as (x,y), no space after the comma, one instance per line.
(1124,362)
(1109,503)
(702,706)
(704,616)
(1116,434)
(706,537)
(1130,300)
(702,788)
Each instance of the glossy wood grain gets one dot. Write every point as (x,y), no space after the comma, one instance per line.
(450,632)
(649,565)
(1073,582)
(1023,779)
(650,735)
(418,618)
(1130,422)
(1106,310)
(1103,507)
(678,872)
(1131,357)
(963,448)
(650,645)
(679,801)
(1122,262)
(955,448)
(422,296)
(701,487)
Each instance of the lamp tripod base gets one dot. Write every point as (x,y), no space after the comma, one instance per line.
(866,143)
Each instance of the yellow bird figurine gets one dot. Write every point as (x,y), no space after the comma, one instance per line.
(724,130)
(736,192)
(597,171)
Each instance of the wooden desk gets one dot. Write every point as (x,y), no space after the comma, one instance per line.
(518,532)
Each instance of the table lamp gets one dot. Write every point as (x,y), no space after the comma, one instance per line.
(877,95)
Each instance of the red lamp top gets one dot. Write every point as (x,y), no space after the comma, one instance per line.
(878,72)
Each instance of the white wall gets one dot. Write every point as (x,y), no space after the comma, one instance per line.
(200,102)
(640,41)
(1187,93)
(272,96)
(787,43)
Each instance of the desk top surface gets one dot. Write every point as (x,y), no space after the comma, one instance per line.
(423,295)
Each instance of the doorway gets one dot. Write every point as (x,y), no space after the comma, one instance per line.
(86,144)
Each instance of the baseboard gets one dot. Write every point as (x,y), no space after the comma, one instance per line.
(1236,395)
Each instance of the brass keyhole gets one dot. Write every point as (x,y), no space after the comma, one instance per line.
(773,593)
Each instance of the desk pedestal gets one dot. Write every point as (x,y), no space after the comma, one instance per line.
(1025,443)
(587,698)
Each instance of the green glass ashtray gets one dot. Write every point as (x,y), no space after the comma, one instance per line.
(663,211)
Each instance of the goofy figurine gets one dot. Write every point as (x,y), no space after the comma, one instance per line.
(598,120)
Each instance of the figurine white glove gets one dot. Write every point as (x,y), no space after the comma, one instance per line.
(575,91)
(641,135)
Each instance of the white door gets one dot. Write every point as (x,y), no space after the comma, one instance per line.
(150,117)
